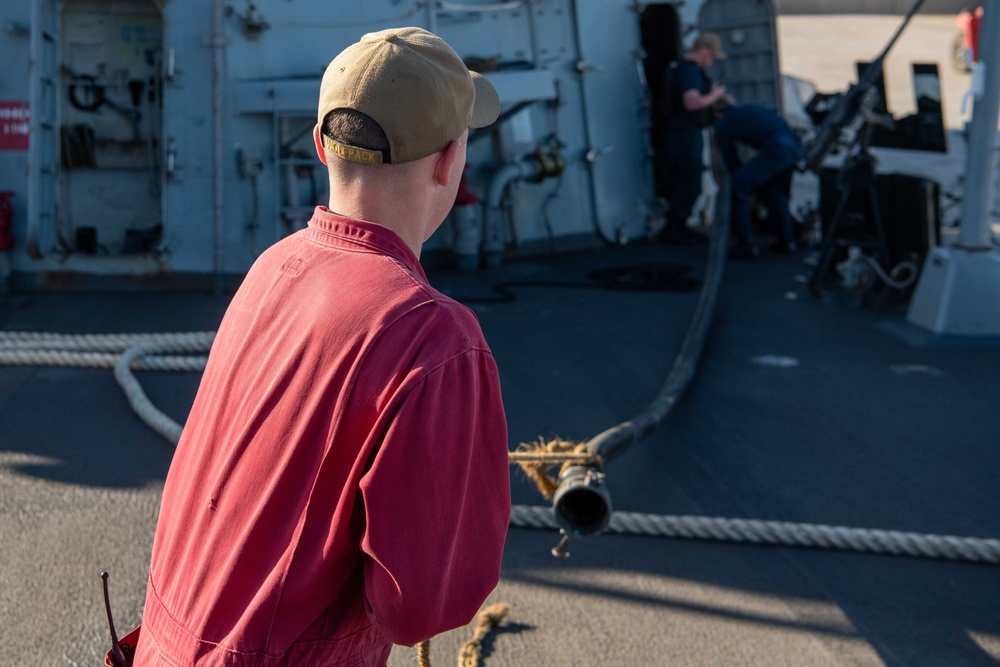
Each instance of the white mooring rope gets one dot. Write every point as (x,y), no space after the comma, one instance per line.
(780,533)
(128,352)
(123,352)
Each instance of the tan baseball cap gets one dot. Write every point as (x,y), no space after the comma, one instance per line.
(712,42)
(414,86)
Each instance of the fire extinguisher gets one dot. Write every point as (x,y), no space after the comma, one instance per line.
(6,221)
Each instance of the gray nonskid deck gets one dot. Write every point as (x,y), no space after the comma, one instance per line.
(877,426)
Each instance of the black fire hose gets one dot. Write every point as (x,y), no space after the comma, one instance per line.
(615,441)
(581,503)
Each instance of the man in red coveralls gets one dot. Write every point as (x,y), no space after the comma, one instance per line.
(342,482)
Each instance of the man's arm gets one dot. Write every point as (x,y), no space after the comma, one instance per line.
(691,82)
(695,100)
(437,502)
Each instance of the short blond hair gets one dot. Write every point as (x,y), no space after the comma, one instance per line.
(712,42)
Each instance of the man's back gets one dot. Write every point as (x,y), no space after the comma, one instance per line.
(755,126)
(296,495)
(750,124)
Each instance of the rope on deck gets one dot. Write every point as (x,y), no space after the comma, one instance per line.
(471,652)
(753,531)
(166,352)
(122,352)
(424,653)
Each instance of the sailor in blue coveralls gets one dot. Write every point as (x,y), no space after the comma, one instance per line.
(689,96)
(768,174)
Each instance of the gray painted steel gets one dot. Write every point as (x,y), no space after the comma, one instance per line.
(899,7)
(750,40)
(220,153)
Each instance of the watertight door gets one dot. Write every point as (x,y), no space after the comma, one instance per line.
(751,71)
(616,116)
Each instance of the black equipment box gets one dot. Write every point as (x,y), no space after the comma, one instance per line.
(910,208)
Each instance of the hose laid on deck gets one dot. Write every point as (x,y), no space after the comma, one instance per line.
(615,441)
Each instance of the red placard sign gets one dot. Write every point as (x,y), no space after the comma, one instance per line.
(14,125)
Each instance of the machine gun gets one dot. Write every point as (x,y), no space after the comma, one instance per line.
(858,107)
(847,107)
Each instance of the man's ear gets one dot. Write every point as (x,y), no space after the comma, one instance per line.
(318,140)
(444,163)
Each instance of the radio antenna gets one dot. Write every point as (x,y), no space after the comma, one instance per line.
(116,648)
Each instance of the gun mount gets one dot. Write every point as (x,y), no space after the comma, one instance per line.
(844,110)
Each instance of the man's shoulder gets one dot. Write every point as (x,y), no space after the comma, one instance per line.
(420,339)
(690,75)
(441,317)
(414,315)
(689,67)
(681,66)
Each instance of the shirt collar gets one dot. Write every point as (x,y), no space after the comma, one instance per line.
(333,229)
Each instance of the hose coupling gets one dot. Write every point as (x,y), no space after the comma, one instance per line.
(582,504)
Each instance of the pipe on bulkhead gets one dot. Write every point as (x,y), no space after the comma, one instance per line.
(974,227)
(493,236)
(535,168)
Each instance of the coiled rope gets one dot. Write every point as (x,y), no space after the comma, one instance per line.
(122,352)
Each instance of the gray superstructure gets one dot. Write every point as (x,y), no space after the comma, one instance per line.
(171,140)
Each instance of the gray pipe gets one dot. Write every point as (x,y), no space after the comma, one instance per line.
(507,174)
(974,232)
(493,237)
(431,8)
